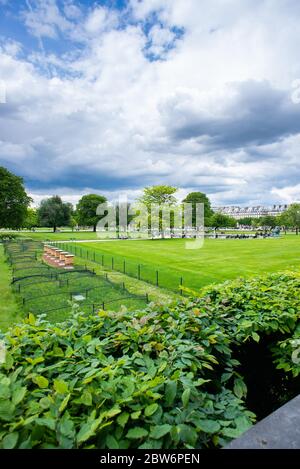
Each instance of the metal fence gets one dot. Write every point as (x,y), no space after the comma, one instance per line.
(159,277)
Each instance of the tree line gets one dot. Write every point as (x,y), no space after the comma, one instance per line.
(53,212)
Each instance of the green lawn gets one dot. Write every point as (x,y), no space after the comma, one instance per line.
(217,261)
(9,308)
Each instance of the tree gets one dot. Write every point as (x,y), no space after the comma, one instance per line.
(86,210)
(219,220)
(53,212)
(199,198)
(160,196)
(73,222)
(291,217)
(268,221)
(31,219)
(246,221)
(13,200)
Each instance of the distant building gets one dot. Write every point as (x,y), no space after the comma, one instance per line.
(258,211)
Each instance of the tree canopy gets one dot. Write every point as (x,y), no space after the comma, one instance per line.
(219,220)
(13,200)
(158,195)
(53,212)
(291,217)
(199,198)
(86,210)
(31,219)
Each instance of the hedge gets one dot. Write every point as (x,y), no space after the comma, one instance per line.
(165,377)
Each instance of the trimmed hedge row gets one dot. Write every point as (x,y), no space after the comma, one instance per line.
(166,377)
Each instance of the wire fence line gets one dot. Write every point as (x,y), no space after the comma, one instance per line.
(95,290)
(161,278)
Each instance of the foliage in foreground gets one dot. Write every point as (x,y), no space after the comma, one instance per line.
(166,377)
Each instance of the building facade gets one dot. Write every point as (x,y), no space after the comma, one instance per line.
(258,211)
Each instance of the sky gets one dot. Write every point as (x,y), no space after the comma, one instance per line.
(112,96)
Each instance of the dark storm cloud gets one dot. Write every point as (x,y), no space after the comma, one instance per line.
(259,115)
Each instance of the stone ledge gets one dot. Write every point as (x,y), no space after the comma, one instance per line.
(280,430)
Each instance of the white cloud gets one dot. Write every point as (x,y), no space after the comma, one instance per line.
(108,119)
(100,19)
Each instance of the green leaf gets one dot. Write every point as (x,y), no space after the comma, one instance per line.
(60,386)
(88,429)
(151,409)
(4,391)
(64,403)
(170,393)
(159,431)
(7,410)
(186,397)
(231,432)
(136,433)
(187,434)
(112,412)
(87,398)
(255,336)
(67,426)
(40,381)
(208,426)
(46,422)
(31,319)
(18,395)
(135,415)
(111,442)
(239,388)
(123,419)
(10,440)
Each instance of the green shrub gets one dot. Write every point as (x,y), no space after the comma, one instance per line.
(8,236)
(166,377)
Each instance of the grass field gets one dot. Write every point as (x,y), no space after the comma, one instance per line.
(217,261)
(9,309)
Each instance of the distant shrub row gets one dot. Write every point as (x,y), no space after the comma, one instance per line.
(167,377)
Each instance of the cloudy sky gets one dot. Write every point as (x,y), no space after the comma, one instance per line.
(110,96)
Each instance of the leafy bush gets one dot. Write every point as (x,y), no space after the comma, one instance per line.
(8,236)
(166,377)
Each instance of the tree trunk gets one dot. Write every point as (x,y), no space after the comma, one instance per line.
(94,228)
(54,229)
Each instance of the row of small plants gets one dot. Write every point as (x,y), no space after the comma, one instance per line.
(164,377)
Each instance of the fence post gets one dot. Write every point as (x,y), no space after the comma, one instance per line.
(157,278)
(124,267)
(181,283)
(103,306)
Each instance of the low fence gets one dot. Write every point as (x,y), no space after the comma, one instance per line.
(40,286)
(162,278)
